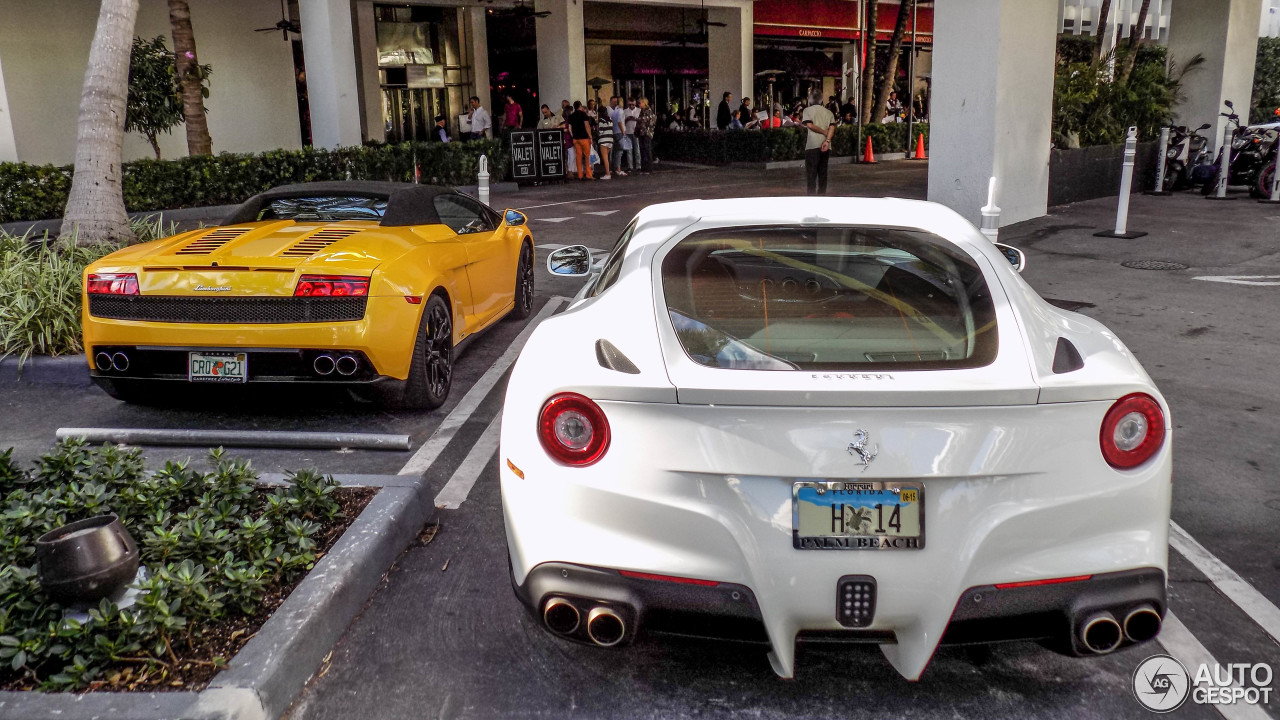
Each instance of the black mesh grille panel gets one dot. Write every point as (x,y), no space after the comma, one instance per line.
(246,310)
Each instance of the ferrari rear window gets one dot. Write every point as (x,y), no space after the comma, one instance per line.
(831,298)
(325,208)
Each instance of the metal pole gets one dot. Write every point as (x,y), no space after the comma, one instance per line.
(1275,182)
(482,184)
(1224,163)
(1161,161)
(239,438)
(857,86)
(1126,180)
(911,75)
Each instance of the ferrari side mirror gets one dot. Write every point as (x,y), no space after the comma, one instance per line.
(572,261)
(514,217)
(1015,256)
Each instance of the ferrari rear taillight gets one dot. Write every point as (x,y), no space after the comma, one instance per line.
(573,429)
(112,284)
(1132,431)
(332,286)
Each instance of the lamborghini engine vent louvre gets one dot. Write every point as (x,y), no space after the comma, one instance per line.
(208,243)
(318,241)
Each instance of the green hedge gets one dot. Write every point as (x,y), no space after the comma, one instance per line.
(778,144)
(35,192)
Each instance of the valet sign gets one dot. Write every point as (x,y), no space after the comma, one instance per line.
(1162,684)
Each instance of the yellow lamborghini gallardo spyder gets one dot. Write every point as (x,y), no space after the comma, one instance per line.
(375,286)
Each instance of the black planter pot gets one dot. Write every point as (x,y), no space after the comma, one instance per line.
(86,560)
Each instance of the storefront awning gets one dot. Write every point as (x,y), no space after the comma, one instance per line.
(832,20)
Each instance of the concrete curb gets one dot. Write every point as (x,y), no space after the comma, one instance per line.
(269,672)
(43,370)
(789,164)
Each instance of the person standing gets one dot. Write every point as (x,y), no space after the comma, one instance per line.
(548,121)
(821,125)
(617,117)
(746,116)
(481,123)
(724,114)
(604,137)
(631,151)
(646,122)
(439,133)
(580,128)
(512,115)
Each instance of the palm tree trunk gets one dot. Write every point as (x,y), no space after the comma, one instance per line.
(1104,15)
(869,65)
(1135,39)
(890,78)
(95,208)
(184,47)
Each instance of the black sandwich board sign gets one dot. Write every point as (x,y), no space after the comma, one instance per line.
(524,156)
(551,154)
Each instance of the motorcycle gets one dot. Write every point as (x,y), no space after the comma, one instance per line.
(1186,149)
(1252,161)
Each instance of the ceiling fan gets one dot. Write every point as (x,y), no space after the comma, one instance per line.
(704,22)
(697,37)
(521,10)
(284,26)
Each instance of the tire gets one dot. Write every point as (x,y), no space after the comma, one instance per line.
(1262,188)
(524,285)
(431,372)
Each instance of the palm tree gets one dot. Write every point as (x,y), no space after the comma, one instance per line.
(189,75)
(889,81)
(1101,31)
(869,64)
(1135,38)
(95,207)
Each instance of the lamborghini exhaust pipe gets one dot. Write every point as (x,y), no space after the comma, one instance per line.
(323,365)
(119,362)
(346,365)
(560,616)
(102,361)
(1142,624)
(605,627)
(1101,633)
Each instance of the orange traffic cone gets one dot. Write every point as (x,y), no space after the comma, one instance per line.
(920,148)
(869,156)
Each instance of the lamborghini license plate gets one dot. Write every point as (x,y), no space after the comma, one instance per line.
(840,515)
(217,367)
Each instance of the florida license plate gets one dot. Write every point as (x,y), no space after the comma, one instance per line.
(218,367)
(839,515)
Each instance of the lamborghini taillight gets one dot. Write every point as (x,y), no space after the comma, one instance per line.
(331,286)
(111,284)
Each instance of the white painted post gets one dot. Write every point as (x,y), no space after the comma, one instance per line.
(1275,183)
(1224,163)
(482,186)
(1126,180)
(990,213)
(1163,159)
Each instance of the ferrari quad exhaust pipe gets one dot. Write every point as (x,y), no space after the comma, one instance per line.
(347,365)
(560,616)
(605,627)
(1101,633)
(1142,623)
(103,361)
(120,362)
(323,365)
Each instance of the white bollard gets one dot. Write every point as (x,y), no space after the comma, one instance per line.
(482,186)
(1275,185)
(1161,162)
(1224,164)
(990,214)
(1126,186)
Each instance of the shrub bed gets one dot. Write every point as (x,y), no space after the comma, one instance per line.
(221,553)
(35,192)
(714,147)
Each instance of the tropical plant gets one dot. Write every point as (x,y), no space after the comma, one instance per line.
(192,77)
(1266,82)
(95,209)
(888,82)
(869,65)
(153,106)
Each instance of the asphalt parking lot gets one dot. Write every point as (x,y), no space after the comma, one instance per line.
(445,638)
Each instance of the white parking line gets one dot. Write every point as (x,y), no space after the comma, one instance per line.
(1178,641)
(1237,589)
(448,427)
(455,492)
(557,246)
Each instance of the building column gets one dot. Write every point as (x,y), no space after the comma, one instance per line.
(849,70)
(329,52)
(373,125)
(8,141)
(991,109)
(478,50)
(1225,33)
(562,53)
(731,52)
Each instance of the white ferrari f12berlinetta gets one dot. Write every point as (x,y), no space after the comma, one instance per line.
(808,419)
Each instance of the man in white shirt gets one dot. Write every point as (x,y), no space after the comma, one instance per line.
(618,116)
(481,123)
(630,117)
(821,125)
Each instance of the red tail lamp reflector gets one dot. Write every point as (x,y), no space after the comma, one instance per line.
(1034,583)
(573,429)
(1132,431)
(667,578)
(332,286)
(112,284)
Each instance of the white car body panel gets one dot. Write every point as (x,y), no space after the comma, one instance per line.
(697,479)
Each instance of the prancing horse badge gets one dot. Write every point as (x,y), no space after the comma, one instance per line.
(860,447)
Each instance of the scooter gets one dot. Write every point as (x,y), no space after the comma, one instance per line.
(1252,159)
(1185,150)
